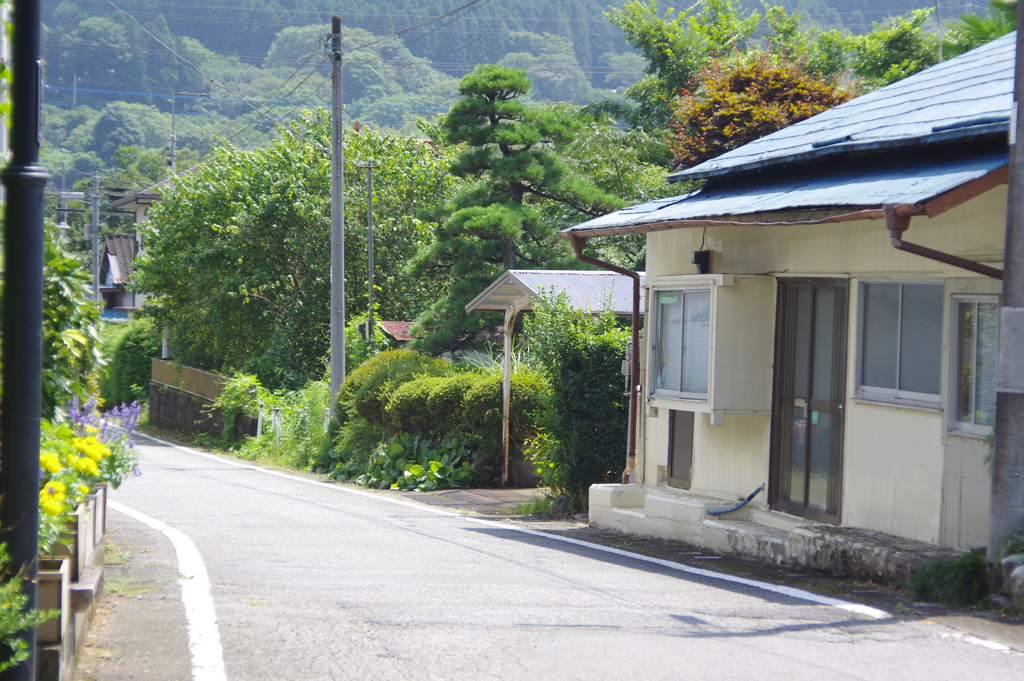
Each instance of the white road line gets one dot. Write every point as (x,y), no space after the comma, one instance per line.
(203,634)
(791,592)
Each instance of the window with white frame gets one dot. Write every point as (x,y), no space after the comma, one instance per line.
(681,343)
(977,350)
(901,342)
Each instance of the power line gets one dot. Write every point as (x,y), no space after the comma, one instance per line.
(193,66)
(64,28)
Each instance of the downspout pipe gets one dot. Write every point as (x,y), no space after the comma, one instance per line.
(897,219)
(578,243)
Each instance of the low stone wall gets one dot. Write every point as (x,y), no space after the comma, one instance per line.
(174,409)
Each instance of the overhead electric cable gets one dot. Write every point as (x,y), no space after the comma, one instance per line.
(64,28)
(193,66)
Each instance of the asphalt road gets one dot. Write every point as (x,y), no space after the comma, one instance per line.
(318,581)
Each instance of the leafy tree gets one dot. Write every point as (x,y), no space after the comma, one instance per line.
(511,161)
(744,99)
(971,30)
(625,162)
(237,259)
(115,128)
(676,45)
(894,49)
(624,69)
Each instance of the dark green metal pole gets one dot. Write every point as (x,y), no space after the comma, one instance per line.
(22,321)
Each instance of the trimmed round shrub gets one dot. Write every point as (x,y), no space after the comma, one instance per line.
(446,403)
(368,389)
(408,410)
(482,413)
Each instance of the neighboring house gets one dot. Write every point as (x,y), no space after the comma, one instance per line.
(117,261)
(116,266)
(849,371)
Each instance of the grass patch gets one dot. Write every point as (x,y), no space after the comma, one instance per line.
(540,506)
(958,582)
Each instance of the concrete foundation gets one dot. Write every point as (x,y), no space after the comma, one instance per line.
(757,533)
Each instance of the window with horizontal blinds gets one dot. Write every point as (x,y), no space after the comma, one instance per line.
(977,320)
(696,338)
(682,342)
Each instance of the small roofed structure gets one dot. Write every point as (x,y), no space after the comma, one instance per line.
(514,292)
(594,291)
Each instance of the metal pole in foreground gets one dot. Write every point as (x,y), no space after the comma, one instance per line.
(337,218)
(22,324)
(1007,503)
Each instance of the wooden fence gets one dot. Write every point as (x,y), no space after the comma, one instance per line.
(181,398)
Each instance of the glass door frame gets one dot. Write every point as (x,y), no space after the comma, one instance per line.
(783,401)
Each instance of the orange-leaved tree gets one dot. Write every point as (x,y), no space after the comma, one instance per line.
(742,99)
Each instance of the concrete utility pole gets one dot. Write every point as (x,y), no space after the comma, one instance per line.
(1008,468)
(22,325)
(369,246)
(337,218)
(172,148)
(94,232)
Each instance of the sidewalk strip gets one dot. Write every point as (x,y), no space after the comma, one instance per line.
(799,594)
(203,634)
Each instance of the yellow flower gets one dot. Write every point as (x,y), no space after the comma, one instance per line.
(84,489)
(92,429)
(52,507)
(86,465)
(49,461)
(91,447)
(53,491)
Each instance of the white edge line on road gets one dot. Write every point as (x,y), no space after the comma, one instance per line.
(203,634)
(800,594)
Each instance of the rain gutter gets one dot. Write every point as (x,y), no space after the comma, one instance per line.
(578,242)
(897,220)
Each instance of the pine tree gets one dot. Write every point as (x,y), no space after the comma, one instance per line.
(511,168)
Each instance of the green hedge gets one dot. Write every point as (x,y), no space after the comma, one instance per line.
(368,389)
(586,416)
(129,349)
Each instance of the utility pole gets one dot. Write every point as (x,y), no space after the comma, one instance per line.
(1007,505)
(172,148)
(22,325)
(94,232)
(369,246)
(337,218)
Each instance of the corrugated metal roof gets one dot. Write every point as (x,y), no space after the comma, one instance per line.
(969,96)
(861,185)
(586,290)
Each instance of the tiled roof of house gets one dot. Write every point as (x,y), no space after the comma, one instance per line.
(969,96)
(120,256)
(397,330)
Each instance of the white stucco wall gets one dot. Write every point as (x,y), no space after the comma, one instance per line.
(896,466)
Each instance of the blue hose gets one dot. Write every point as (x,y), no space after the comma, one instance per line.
(722,511)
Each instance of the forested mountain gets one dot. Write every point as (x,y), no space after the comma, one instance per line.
(110,66)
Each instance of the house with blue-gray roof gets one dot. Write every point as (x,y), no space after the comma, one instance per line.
(822,322)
